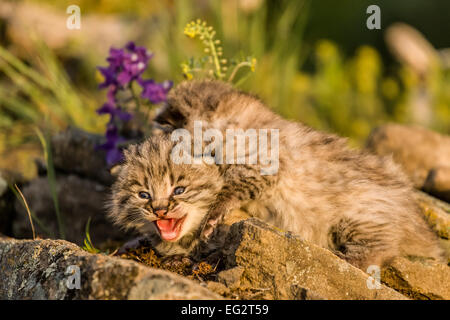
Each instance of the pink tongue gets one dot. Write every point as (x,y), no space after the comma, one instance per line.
(167,228)
(166,224)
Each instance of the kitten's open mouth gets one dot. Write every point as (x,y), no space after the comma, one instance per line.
(169,229)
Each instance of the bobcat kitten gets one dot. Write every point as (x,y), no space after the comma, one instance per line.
(163,200)
(355,204)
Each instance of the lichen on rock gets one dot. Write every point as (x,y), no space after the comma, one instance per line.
(38,269)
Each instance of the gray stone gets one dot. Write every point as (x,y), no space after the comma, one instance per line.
(436,212)
(438,183)
(79,198)
(416,149)
(3,186)
(39,270)
(418,278)
(75,151)
(231,277)
(286,267)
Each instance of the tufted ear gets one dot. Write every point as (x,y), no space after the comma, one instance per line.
(130,151)
(170,117)
(161,129)
(115,170)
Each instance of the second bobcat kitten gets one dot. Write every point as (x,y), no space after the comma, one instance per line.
(353,203)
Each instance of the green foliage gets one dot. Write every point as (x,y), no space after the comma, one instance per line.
(45,141)
(88,246)
(305,81)
(38,92)
(42,91)
(212,64)
(312,82)
(30,212)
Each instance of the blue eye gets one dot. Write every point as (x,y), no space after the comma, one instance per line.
(144,195)
(178,190)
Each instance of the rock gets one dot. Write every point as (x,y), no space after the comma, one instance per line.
(74,151)
(416,149)
(231,277)
(40,270)
(218,288)
(79,198)
(3,186)
(445,244)
(436,212)
(438,183)
(284,266)
(6,212)
(7,198)
(418,278)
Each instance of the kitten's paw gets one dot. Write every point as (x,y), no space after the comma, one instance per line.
(210,226)
(132,245)
(216,214)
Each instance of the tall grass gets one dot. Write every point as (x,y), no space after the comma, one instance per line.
(33,218)
(51,176)
(42,90)
(88,245)
(39,93)
(348,95)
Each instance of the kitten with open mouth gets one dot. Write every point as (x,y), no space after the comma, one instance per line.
(355,204)
(170,228)
(165,202)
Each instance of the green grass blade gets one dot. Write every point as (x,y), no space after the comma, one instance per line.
(41,225)
(52,180)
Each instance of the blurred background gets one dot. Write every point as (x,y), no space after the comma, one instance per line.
(317,62)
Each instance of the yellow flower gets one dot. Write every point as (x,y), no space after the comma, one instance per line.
(190,32)
(389,87)
(253,64)
(186,71)
(326,50)
(409,78)
(367,69)
(301,82)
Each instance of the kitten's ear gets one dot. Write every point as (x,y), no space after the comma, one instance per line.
(115,170)
(161,129)
(130,151)
(170,116)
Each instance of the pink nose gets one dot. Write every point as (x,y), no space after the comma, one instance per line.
(160,212)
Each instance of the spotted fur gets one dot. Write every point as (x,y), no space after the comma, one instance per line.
(353,203)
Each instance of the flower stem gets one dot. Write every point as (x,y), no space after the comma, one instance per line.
(135,97)
(215,56)
(236,69)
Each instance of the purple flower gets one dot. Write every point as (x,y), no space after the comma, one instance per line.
(155,92)
(116,58)
(111,94)
(111,108)
(109,75)
(142,54)
(113,153)
(113,111)
(125,65)
(114,156)
(107,108)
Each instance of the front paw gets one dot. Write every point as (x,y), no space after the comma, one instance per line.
(210,225)
(131,245)
(216,214)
